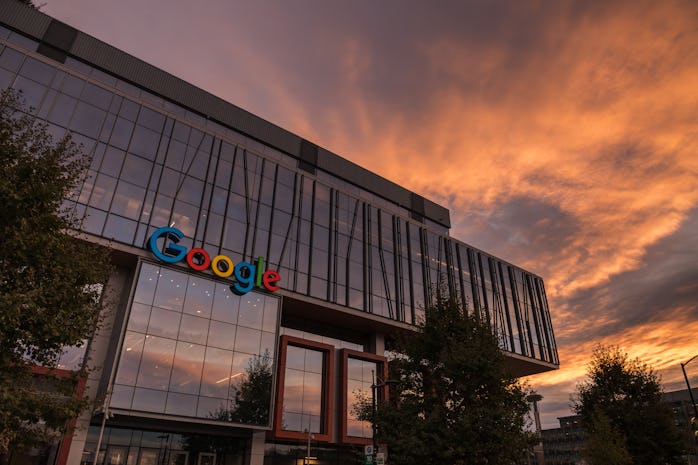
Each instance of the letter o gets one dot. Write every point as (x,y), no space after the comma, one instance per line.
(193,265)
(227,261)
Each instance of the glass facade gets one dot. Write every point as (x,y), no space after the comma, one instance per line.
(193,348)
(305,393)
(192,353)
(304,384)
(360,376)
(126,446)
(156,164)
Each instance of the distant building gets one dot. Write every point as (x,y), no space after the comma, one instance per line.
(680,403)
(563,445)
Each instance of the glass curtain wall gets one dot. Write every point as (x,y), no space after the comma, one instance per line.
(156,164)
(193,348)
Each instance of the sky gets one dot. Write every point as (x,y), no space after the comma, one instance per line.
(562,135)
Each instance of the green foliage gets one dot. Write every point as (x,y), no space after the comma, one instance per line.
(455,402)
(254,395)
(605,444)
(623,400)
(49,280)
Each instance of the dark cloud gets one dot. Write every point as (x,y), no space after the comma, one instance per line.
(519,230)
(650,294)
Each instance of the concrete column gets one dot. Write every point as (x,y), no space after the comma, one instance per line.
(377,344)
(257,448)
(114,293)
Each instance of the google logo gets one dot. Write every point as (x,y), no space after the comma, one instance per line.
(247,275)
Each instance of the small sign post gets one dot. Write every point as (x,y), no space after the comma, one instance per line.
(368,455)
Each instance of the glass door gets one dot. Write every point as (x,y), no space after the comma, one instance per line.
(178,458)
(116,456)
(207,458)
(149,457)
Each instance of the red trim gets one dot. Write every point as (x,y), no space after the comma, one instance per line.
(382,367)
(81,380)
(328,400)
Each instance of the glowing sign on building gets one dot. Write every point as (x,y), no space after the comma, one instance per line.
(246,275)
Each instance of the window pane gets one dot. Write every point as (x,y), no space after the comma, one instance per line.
(247,340)
(251,310)
(62,111)
(130,358)
(303,390)
(193,329)
(186,369)
(171,289)
(149,400)
(184,351)
(87,120)
(97,96)
(128,200)
(144,142)
(199,297)
(156,364)
(221,335)
(120,229)
(137,170)
(225,305)
(216,375)
(164,323)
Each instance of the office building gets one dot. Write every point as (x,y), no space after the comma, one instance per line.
(257,276)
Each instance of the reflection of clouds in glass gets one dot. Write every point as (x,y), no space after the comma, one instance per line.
(221,335)
(156,363)
(216,372)
(251,310)
(191,330)
(225,305)
(247,340)
(360,375)
(303,388)
(130,358)
(186,369)
(170,290)
(163,323)
(71,357)
(199,297)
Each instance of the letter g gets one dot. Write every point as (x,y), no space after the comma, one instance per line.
(171,253)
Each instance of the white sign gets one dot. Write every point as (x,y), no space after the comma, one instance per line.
(368,450)
(380,458)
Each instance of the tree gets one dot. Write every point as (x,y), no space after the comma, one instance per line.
(605,444)
(49,280)
(455,402)
(623,399)
(254,396)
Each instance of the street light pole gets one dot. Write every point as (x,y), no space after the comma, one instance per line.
(374,426)
(690,393)
(308,457)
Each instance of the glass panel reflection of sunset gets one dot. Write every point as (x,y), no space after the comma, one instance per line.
(241,198)
(303,390)
(192,347)
(359,380)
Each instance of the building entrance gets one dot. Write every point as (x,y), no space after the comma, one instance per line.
(126,446)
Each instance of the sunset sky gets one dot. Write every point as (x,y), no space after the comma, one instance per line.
(562,136)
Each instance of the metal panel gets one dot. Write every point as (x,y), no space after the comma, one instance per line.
(23,18)
(150,78)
